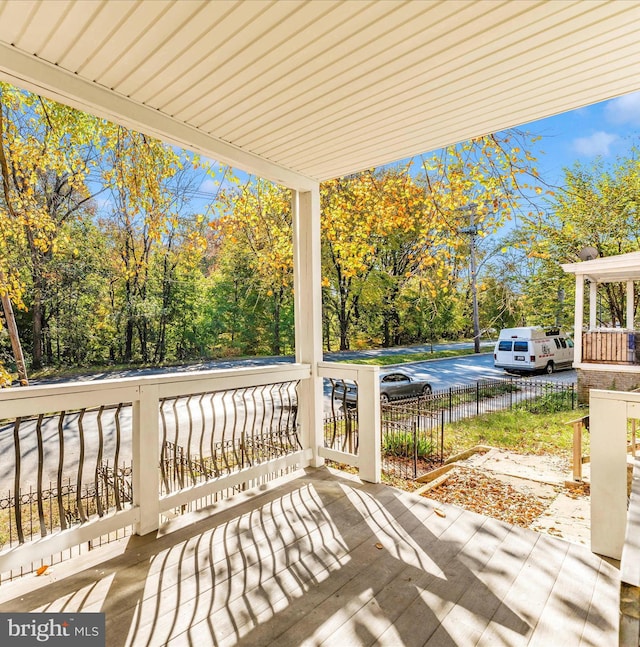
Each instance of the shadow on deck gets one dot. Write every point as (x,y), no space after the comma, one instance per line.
(324,559)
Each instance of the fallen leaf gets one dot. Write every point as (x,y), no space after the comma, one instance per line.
(440,512)
(42,569)
(379,546)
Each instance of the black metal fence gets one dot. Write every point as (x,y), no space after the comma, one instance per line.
(413,431)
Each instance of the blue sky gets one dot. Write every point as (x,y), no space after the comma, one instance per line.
(605,130)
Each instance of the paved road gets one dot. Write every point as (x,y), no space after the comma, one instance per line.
(338,356)
(441,373)
(467,369)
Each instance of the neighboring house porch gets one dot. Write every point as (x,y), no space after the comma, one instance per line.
(605,357)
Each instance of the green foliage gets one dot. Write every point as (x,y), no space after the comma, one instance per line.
(596,207)
(102,248)
(404,444)
(552,401)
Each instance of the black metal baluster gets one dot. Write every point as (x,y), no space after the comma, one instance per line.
(96,474)
(177,454)
(238,460)
(243,432)
(41,519)
(213,442)
(63,519)
(163,451)
(79,503)
(16,487)
(203,469)
(116,460)
(252,427)
(189,461)
(224,442)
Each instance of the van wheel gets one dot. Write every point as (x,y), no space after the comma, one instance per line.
(384,398)
(549,368)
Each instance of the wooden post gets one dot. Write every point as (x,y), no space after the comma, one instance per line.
(307,294)
(608,431)
(577,450)
(369,432)
(146,459)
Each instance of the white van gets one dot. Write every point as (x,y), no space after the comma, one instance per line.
(533,348)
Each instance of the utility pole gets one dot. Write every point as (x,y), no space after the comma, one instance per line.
(472,230)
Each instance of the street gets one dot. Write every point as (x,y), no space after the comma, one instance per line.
(227,414)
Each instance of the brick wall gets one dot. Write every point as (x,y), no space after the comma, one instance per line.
(608,380)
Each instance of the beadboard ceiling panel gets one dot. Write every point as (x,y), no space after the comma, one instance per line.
(304,91)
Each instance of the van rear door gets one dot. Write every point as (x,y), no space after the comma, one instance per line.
(504,353)
(521,353)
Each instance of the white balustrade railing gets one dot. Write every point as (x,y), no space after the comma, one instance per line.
(145,395)
(368,458)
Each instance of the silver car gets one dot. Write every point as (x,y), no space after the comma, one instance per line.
(393,386)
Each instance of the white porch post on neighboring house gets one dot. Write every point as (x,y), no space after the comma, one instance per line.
(577,334)
(305,208)
(630,304)
(593,305)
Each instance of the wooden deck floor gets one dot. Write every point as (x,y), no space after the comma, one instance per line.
(325,560)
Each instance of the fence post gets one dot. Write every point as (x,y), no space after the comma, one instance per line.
(414,429)
(146,456)
(477,398)
(450,403)
(442,438)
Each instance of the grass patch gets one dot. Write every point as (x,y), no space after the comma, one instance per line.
(403,358)
(520,431)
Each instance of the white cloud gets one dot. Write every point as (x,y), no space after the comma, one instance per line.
(208,185)
(624,110)
(597,144)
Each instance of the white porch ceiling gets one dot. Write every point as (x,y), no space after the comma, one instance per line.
(304,91)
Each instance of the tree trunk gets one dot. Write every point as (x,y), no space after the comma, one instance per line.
(14,336)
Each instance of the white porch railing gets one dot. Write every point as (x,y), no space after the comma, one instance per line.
(65,427)
(368,458)
(186,437)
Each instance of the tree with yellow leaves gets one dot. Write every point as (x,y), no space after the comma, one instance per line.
(256,251)
(47,152)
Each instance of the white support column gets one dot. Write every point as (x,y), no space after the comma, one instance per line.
(608,449)
(369,432)
(305,207)
(630,304)
(146,459)
(593,305)
(577,333)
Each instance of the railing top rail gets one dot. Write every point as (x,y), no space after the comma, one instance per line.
(111,391)
(620,396)
(343,370)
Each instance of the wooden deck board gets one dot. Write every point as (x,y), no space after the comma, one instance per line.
(325,559)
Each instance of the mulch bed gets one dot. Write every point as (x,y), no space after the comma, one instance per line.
(473,490)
